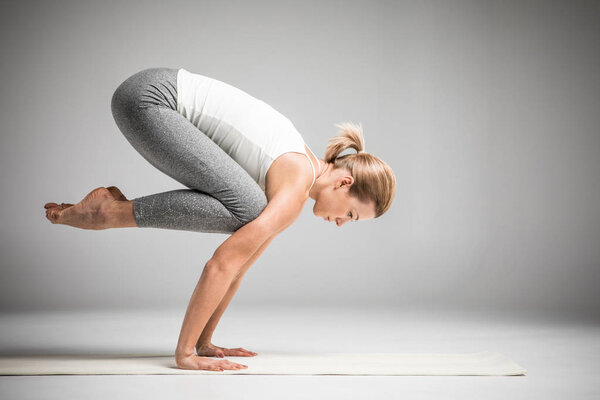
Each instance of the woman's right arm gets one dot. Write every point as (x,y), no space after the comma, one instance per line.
(224,266)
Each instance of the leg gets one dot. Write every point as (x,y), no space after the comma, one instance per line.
(222,196)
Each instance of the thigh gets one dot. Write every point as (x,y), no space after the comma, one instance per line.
(142,108)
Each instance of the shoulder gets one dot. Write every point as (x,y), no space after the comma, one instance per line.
(286,192)
(289,171)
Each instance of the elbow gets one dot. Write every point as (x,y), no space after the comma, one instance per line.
(213,266)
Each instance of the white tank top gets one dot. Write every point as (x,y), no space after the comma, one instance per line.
(253,133)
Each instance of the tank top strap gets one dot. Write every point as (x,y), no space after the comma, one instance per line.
(312,165)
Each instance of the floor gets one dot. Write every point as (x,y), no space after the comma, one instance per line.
(562,358)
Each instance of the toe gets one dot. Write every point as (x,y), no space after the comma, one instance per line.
(56,214)
(51,215)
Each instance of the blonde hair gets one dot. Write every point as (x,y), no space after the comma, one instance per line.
(374,180)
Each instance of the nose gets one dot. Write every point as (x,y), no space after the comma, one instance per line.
(340,222)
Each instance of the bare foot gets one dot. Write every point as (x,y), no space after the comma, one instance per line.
(89,213)
(114,191)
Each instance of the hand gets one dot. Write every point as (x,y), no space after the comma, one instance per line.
(210,350)
(192,361)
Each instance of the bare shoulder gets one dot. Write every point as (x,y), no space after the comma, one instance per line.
(288,172)
(286,191)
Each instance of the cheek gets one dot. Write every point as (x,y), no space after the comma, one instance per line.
(329,205)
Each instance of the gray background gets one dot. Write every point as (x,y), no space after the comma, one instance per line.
(488,112)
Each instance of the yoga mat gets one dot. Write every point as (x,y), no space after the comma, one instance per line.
(482,363)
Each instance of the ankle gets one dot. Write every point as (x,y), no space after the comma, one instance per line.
(104,215)
(118,214)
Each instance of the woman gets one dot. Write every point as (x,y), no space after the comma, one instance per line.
(249,173)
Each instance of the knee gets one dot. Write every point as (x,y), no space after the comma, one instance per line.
(127,96)
(123,100)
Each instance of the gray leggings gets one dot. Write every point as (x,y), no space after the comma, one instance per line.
(222,197)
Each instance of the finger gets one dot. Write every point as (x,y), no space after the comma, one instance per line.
(246,351)
(242,350)
(233,365)
(206,367)
(240,353)
(251,352)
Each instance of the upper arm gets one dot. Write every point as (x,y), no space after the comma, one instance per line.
(281,211)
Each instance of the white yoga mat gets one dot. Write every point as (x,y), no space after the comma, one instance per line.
(482,363)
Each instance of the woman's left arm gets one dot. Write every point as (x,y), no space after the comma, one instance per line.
(211,325)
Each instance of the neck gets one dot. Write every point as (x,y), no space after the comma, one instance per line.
(324,169)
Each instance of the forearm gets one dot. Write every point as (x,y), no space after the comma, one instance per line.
(210,289)
(210,327)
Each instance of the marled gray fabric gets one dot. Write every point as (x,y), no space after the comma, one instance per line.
(222,197)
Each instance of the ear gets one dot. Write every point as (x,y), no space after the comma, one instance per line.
(346,180)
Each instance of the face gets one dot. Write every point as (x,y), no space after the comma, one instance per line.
(334,203)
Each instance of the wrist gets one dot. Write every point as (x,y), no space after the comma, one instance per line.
(203,340)
(181,352)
